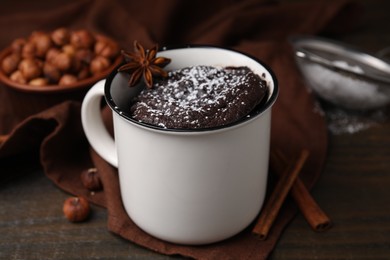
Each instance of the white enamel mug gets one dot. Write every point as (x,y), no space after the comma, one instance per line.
(186,186)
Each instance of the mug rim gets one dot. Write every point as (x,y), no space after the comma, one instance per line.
(253,114)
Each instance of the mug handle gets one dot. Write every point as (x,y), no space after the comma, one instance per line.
(94,129)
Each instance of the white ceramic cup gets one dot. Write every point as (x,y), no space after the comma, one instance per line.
(186,186)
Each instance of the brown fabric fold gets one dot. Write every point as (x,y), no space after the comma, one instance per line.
(259,28)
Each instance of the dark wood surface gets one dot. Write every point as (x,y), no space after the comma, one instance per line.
(354,190)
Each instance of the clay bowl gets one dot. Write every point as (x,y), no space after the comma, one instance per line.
(22,100)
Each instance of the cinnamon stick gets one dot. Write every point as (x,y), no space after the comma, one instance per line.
(309,208)
(278,196)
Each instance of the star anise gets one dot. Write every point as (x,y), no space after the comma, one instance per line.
(143,63)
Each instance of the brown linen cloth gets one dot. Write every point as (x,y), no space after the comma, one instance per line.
(259,28)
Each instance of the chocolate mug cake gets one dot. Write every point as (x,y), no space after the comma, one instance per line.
(200,97)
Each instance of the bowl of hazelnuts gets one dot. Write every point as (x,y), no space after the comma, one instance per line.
(47,68)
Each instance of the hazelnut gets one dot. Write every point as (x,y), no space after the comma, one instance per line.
(39,82)
(99,64)
(51,73)
(10,63)
(69,49)
(51,54)
(82,39)
(106,48)
(91,180)
(18,44)
(42,43)
(67,79)
(62,61)
(17,77)
(30,68)
(28,50)
(76,209)
(61,36)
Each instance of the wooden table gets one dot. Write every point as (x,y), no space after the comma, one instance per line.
(354,190)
